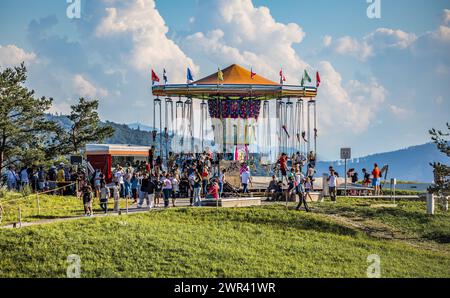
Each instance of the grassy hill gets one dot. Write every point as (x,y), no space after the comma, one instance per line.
(268,241)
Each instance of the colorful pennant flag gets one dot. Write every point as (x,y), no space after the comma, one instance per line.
(252,74)
(190,77)
(282,77)
(219,75)
(165,77)
(155,78)
(317,80)
(307,77)
(302,83)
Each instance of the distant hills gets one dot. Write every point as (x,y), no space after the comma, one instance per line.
(410,164)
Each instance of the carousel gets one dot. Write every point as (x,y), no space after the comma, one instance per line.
(236,113)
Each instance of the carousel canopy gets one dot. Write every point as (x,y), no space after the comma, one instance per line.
(237,83)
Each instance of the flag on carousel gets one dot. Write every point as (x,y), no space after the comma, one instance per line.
(302,83)
(307,77)
(189,77)
(282,77)
(317,80)
(219,75)
(252,74)
(155,78)
(165,77)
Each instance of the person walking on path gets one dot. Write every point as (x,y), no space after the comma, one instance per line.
(134,187)
(221,180)
(376,173)
(116,194)
(104,196)
(197,187)
(302,196)
(245,180)
(332,184)
(167,190)
(87,200)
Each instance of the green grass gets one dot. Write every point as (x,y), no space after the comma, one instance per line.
(408,218)
(51,207)
(268,241)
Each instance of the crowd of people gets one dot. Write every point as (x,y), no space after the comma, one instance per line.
(193,176)
(59,179)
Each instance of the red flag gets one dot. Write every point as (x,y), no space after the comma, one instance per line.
(282,77)
(252,74)
(155,78)
(317,80)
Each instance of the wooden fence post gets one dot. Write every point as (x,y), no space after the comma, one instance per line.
(20,217)
(430,204)
(38,203)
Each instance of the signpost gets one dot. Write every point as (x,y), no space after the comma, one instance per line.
(393,184)
(346,153)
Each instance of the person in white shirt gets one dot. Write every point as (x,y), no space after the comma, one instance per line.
(245,180)
(118,177)
(175,189)
(332,184)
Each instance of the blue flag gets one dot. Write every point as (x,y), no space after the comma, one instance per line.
(190,78)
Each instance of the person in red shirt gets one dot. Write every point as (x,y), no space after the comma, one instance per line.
(283,165)
(213,191)
(376,173)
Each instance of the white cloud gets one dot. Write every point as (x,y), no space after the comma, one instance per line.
(236,31)
(399,112)
(439,100)
(86,89)
(350,46)
(383,38)
(151,47)
(327,40)
(446,17)
(343,107)
(11,55)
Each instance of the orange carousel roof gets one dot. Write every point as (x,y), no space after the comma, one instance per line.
(236,74)
(237,83)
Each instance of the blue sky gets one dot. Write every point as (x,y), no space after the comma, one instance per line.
(385,81)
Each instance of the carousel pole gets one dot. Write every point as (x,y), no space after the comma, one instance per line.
(315,128)
(158,102)
(299,125)
(308,127)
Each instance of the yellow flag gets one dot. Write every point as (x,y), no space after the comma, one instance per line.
(220,75)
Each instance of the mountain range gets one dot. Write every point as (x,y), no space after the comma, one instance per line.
(411,164)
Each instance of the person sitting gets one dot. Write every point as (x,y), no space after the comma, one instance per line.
(278,193)
(272,187)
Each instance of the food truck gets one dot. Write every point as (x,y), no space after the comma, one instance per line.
(106,156)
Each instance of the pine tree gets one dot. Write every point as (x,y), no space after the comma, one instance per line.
(85,127)
(24,130)
(441,172)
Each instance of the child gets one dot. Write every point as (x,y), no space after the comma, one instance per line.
(308,187)
(104,196)
(116,193)
(87,200)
